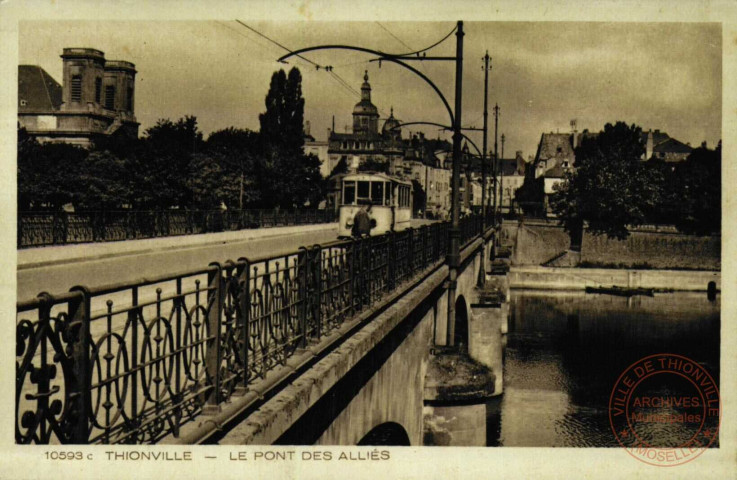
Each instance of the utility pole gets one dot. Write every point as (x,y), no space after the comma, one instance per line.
(482,271)
(496,159)
(501,179)
(454,256)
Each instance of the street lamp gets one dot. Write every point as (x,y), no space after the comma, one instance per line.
(453,257)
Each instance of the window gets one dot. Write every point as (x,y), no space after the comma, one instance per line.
(388,193)
(76,88)
(98,89)
(110,97)
(349,193)
(363,193)
(129,99)
(377,192)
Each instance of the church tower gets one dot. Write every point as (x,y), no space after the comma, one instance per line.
(365,114)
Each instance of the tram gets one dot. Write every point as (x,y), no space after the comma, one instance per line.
(386,200)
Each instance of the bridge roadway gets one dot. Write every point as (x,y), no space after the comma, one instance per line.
(57,269)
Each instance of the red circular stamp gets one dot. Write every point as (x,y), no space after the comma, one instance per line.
(665,410)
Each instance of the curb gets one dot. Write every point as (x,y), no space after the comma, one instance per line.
(194,243)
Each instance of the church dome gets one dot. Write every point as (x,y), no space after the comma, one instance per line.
(365,107)
(391,124)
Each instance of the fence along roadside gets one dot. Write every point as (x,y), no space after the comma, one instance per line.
(162,351)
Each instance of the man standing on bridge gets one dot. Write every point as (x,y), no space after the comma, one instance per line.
(362,223)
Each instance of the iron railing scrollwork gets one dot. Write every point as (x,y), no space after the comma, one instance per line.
(59,228)
(131,363)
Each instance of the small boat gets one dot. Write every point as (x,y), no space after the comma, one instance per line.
(621,291)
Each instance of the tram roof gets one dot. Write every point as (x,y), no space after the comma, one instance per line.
(374,176)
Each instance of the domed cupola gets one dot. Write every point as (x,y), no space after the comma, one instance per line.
(365,114)
(391,127)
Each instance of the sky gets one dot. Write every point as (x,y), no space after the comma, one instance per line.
(665,76)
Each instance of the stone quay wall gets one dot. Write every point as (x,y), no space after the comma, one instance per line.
(537,244)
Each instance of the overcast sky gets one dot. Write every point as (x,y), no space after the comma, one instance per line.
(663,76)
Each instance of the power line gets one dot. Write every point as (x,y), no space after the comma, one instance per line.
(393,36)
(278,44)
(417,52)
(240,33)
(328,69)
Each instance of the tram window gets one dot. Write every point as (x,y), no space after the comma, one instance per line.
(388,192)
(349,193)
(363,193)
(377,192)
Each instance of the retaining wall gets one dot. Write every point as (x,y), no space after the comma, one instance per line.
(537,244)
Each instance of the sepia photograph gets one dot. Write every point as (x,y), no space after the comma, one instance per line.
(307,244)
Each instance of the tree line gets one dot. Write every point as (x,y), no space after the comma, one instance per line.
(174,166)
(611,188)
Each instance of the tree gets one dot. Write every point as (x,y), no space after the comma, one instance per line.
(698,182)
(102,183)
(47,173)
(610,188)
(238,151)
(207,182)
(168,149)
(287,183)
(282,122)
(286,176)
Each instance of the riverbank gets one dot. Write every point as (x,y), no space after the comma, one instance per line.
(547,278)
(665,249)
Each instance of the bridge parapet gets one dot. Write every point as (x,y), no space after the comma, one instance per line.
(134,362)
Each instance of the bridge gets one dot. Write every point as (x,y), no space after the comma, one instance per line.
(345,342)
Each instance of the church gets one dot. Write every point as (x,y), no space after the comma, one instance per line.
(426,161)
(384,148)
(95,101)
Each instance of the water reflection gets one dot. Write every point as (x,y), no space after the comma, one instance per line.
(565,350)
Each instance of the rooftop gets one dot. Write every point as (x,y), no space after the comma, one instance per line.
(37,90)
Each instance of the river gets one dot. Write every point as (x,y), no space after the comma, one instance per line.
(564,353)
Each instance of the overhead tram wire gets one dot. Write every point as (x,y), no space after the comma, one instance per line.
(393,36)
(328,69)
(261,44)
(279,44)
(417,52)
(422,64)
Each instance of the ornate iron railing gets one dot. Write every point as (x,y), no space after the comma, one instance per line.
(58,228)
(131,363)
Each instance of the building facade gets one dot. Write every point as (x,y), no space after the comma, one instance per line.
(426,161)
(95,100)
(556,156)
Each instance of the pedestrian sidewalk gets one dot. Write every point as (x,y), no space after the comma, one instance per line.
(61,254)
